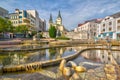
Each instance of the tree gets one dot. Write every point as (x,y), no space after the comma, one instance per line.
(52,31)
(5,25)
(9,26)
(21,29)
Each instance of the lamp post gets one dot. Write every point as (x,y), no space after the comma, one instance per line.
(108,42)
(109,51)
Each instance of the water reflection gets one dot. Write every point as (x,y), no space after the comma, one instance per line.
(102,56)
(49,54)
(12,59)
(24,47)
(15,58)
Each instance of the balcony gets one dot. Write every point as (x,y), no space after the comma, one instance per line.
(27,24)
(26,20)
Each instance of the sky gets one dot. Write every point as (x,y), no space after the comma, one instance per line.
(73,11)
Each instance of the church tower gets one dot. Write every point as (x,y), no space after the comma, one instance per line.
(59,19)
(50,20)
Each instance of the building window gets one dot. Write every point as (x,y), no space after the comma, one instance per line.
(118,21)
(110,23)
(110,28)
(94,34)
(16,22)
(14,17)
(20,12)
(20,21)
(103,25)
(102,56)
(109,58)
(25,14)
(90,25)
(118,27)
(20,16)
(103,29)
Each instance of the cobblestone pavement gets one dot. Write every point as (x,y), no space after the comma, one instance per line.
(106,72)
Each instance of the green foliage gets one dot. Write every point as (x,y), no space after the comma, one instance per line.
(34,33)
(5,25)
(6,60)
(41,35)
(62,38)
(52,31)
(21,29)
(31,34)
(52,51)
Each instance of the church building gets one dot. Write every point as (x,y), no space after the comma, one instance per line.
(58,24)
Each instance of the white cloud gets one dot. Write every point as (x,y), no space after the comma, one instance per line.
(90,9)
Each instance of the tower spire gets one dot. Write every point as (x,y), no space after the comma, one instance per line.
(59,15)
(50,20)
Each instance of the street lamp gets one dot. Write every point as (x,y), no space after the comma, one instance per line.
(108,42)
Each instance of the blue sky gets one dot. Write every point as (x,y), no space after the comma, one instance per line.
(72,11)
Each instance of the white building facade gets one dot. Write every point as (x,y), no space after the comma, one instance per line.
(30,18)
(40,25)
(110,27)
(87,30)
(118,28)
(21,17)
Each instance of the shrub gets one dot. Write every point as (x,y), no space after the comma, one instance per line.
(62,38)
